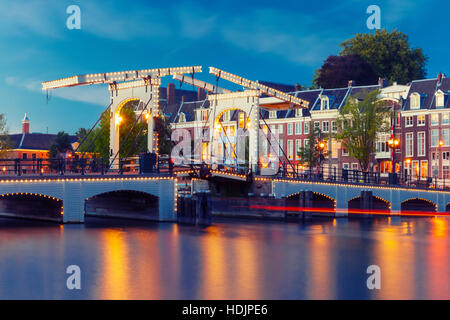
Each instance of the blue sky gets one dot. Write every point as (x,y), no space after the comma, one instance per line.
(279,41)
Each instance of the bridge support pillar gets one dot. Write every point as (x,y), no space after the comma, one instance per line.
(366,203)
(305,204)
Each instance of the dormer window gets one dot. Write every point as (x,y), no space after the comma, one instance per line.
(439,99)
(298,113)
(272,114)
(202,115)
(182,117)
(324,103)
(415,101)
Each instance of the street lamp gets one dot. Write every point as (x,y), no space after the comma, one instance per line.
(394,143)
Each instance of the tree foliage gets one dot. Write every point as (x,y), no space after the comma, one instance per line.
(309,154)
(60,145)
(389,54)
(134,132)
(338,70)
(5,143)
(359,123)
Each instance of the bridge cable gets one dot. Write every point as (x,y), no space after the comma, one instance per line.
(90,131)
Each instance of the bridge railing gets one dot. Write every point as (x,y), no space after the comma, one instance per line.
(335,175)
(76,166)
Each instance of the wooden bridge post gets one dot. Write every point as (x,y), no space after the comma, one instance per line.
(203,208)
(305,203)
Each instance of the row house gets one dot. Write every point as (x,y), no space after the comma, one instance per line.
(425,128)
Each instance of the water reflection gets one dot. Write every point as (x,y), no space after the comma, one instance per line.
(324,259)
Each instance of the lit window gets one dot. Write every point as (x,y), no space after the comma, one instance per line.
(333,126)
(445,118)
(408,121)
(241,120)
(272,114)
(421,120)
(182,118)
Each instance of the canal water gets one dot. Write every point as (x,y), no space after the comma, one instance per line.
(240,259)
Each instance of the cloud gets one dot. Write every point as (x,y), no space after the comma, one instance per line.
(97,95)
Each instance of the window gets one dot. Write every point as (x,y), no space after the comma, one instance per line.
(421,120)
(305,143)
(324,103)
(445,118)
(316,125)
(272,114)
(290,150)
(439,99)
(434,137)
(408,121)
(241,120)
(398,119)
(415,100)
(344,152)
(446,137)
(226,116)
(298,112)
(298,128)
(298,145)
(333,126)
(232,131)
(289,128)
(325,126)
(424,168)
(281,143)
(280,128)
(24,156)
(182,117)
(415,165)
(306,128)
(334,149)
(204,114)
(435,119)
(409,144)
(421,144)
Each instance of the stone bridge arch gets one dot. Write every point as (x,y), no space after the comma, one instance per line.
(29,205)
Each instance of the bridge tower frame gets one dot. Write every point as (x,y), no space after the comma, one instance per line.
(146,91)
(247,101)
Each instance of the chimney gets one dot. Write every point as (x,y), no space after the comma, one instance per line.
(298,87)
(439,78)
(25,124)
(351,83)
(201,94)
(183,98)
(170,93)
(382,82)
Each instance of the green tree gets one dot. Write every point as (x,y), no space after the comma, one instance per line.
(359,122)
(309,154)
(389,54)
(5,143)
(60,145)
(134,133)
